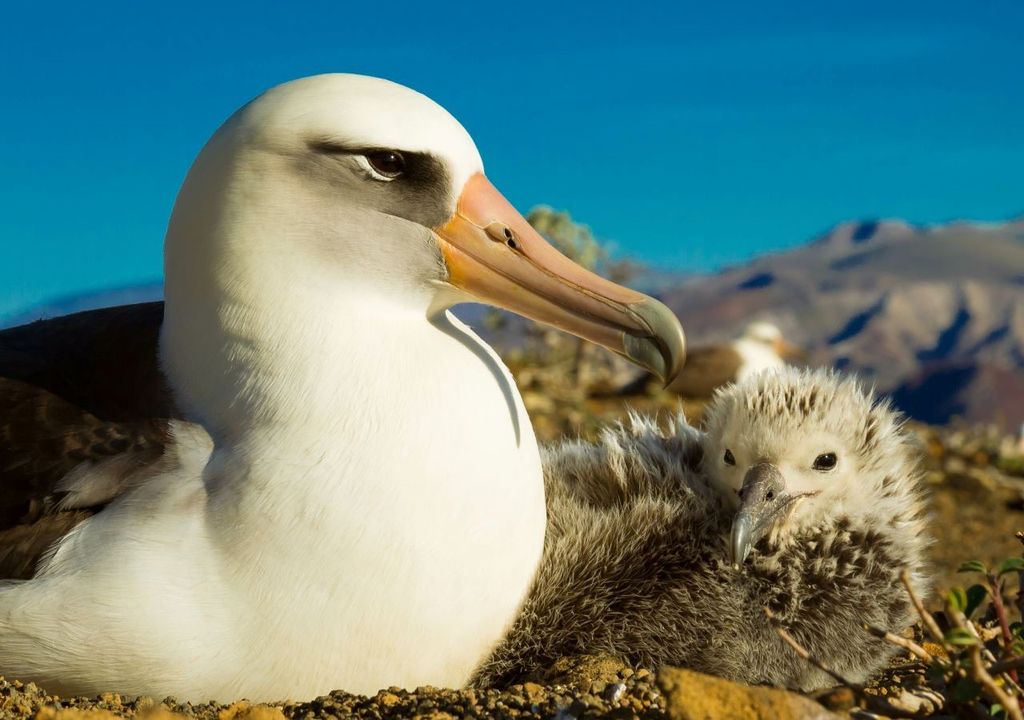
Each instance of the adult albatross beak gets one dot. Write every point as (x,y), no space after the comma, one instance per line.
(495,256)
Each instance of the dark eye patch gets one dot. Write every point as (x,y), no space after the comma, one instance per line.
(729,458)
(420,190)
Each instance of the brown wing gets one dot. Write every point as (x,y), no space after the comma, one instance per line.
(84,388)
(706,369)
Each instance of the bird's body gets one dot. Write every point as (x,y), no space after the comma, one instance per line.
(348,492)
(710,366)
(75,392)
(638,562)
(248,537)
(756,356)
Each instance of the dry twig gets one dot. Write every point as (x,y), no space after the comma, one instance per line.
(926,617)
(995,591)
(906,705)
(999,668)
(1020,579)
(806,654)
(909,645)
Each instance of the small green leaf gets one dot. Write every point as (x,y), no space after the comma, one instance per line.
(957,598)
(960,636)
(972,566)
(976,595)
(1014,564)
(966,690)
(996,710)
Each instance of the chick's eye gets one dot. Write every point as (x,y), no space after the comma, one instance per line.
(729,459)
(388,163)
(825,461)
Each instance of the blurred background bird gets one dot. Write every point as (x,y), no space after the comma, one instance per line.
(712,365)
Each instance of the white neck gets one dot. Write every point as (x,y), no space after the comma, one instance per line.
(757,356)
(388,467)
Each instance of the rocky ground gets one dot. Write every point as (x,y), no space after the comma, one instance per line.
(582,688)
(975,483)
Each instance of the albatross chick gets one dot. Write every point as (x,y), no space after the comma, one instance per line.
(667,547)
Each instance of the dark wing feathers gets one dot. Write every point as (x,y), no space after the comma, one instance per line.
(706,369)
(84,388)
(21,546)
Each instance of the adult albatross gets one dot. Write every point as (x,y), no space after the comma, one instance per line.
(356,499)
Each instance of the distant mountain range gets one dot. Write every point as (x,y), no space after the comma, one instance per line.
(933,315)
(87,301)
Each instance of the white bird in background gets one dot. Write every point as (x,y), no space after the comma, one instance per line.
(356,499)
(708,367)
(762,347)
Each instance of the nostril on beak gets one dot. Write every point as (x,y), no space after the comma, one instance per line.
(498,232)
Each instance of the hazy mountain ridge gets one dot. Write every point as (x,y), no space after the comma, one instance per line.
(933,315)
(80,302)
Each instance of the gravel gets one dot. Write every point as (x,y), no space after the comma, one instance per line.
(594,688)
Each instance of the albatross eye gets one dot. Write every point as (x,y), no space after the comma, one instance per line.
(825,462)
(387,163)
(729,459)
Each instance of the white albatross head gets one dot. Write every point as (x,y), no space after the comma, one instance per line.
(763,332)
(760,336)
(336,190)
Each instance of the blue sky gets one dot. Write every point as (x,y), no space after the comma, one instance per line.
(693,135)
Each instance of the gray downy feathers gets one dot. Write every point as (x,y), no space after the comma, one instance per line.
(636,561)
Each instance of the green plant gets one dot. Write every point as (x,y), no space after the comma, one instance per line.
(984,648)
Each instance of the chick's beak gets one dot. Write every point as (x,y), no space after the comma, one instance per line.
(764,501)
(495,256)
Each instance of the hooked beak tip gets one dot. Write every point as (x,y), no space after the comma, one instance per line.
(764,501)
(740,539)
(663,349)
